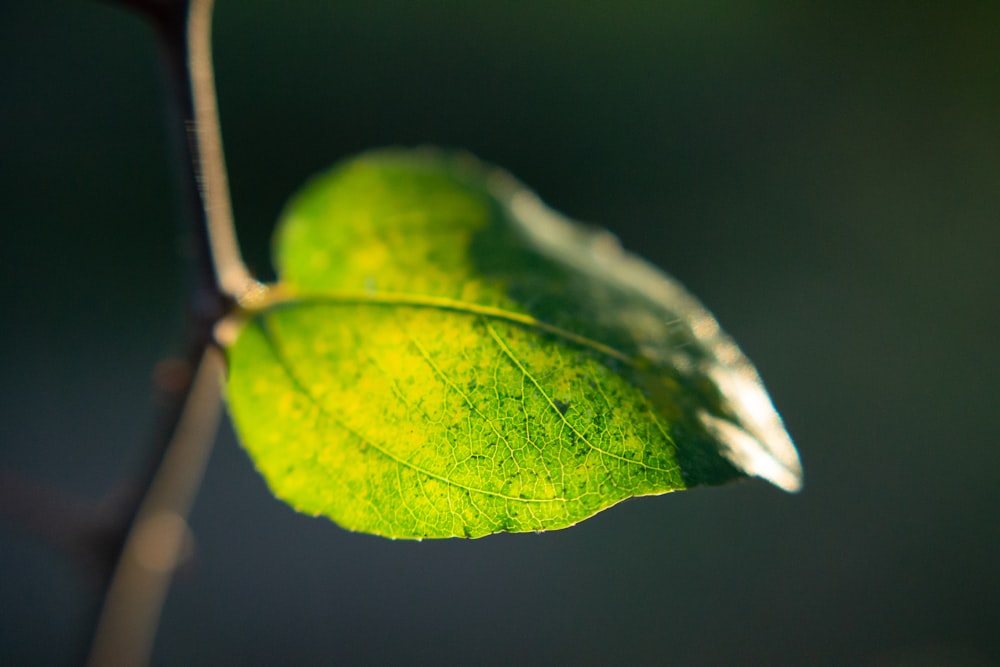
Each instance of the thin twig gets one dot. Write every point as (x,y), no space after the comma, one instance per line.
(160,534)
(233,277)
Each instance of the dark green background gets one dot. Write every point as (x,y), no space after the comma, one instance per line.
(825,176)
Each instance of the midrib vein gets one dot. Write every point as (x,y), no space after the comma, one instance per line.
(280,298)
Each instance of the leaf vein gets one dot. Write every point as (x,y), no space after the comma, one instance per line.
(283,296)
(517,362)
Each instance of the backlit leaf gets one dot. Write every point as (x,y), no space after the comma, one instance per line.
(444,356)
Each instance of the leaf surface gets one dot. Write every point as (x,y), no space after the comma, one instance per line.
(444,356)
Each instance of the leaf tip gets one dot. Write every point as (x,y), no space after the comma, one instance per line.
(768,453)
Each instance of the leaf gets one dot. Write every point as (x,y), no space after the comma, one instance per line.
(444,356)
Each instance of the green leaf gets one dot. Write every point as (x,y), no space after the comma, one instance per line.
(444,356)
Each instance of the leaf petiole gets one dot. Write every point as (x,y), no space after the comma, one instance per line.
(231,273)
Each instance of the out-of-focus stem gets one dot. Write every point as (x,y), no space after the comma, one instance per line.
(159,538)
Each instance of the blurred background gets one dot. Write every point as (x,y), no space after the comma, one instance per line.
(824,176)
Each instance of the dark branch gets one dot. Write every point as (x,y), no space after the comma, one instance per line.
(69,523)
(206,304)
(154,10)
